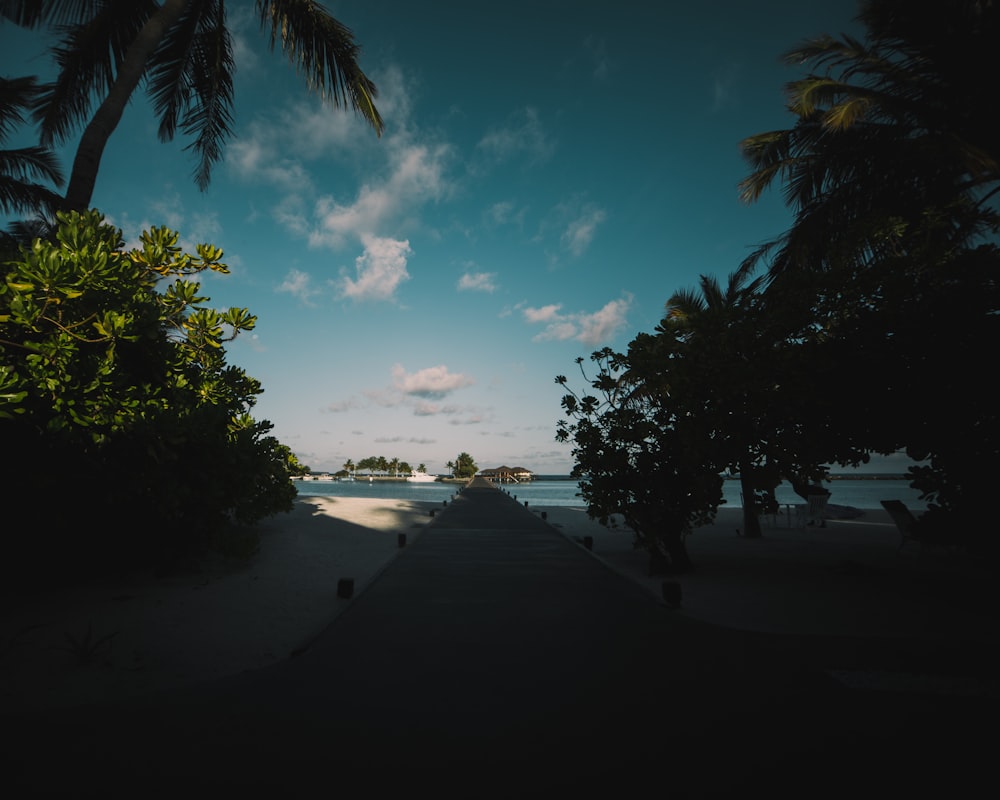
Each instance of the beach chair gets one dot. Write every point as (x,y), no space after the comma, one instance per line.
(905,521)
(814,509)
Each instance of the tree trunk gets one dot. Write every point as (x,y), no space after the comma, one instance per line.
(675,561)
(95,136)
(751,522)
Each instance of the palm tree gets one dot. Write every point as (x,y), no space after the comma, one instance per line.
(349,467)
(21,168)
(182,50)
(892,172)
(712,301)
(892,142)
(717,317)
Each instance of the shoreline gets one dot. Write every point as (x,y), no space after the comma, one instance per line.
(224,617)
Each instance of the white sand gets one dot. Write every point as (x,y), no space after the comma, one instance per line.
(223,619)
(848,578)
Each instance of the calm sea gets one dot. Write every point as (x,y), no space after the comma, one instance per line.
(856,493)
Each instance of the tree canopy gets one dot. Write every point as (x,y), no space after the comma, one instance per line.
(892,172)
(850,342)
(114,381)
(464,466)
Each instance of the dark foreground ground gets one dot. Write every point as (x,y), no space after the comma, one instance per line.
(494,658)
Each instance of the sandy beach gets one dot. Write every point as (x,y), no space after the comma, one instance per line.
(222,617)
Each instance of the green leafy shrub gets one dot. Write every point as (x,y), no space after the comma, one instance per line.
(128,438)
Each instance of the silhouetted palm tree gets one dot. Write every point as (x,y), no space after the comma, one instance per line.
(181,50)
(892,172)
(21,168)
(894,141)
(717,315)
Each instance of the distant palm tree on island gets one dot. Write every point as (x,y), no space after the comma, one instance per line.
(463,467)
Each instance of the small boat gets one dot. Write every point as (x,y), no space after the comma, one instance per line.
(421,477)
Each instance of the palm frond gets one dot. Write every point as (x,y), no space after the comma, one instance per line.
(17,95)
(169,75)
(31,163)
(769,156)
(684,303)
(20,197)
(32,13)
(88,59)
(210,116)
(324,51)
(24,232)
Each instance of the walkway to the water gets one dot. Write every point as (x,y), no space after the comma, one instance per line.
(494,657)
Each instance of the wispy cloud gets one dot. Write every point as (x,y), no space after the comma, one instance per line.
(401,172)
(506,212)
(478,282)
(258,157)
(590,328)
(597,52)
(299,284)
(423,390)
(579,233)
(167,209)
(340,406)
(724,87)
(575,220)
(523,136)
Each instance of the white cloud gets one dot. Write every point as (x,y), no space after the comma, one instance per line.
(380,270)
(559,330)
(432,382)
(299,284)
(591,329)
(416,177)
(543,314)
(275,145)
(401,173)
(261,157)
(602,325)
(478,282)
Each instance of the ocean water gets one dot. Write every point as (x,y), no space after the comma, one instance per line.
(862,494)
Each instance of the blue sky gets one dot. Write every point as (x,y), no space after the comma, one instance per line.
(548,177)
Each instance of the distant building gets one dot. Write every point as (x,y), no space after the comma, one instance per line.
(508,474)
